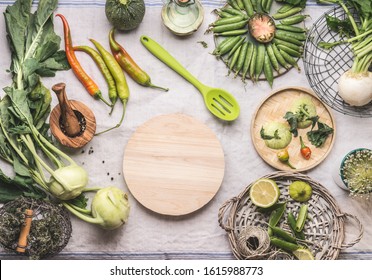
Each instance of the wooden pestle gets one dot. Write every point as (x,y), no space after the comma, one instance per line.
(69,119)
(25,230)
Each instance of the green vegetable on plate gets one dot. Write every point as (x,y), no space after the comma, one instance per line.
(276,135)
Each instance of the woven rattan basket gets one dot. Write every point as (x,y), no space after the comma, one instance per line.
(324,230)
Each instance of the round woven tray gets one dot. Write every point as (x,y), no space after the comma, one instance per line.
(324,231)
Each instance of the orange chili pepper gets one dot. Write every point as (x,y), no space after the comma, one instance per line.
(78,70)
(305,150)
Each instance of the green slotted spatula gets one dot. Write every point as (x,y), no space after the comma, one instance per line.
(219,102)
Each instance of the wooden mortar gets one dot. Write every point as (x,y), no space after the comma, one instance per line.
(80,117)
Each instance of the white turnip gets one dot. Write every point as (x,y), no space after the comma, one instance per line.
(355,88)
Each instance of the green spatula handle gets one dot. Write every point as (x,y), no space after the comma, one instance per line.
(169,60)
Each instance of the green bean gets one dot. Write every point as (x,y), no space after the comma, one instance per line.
(240,62)
(301,219)
(268,70)
(113,94)
(269,3)
(247,61)
(278,232)
(227,20)
(248,7)
(260,60)
(290,28)
(254,4)
(294,19)
(288,44)
(272,57)
(285,245)
(288,13)
(240,4)
(289,59)
(233,11)
(228,45)
(289,51)
(288,39)
(234,4)
(279,57)
(234,59)
(294,35)
(237,45)
(275,217)
(223,14)
(285,8)
(229,26)
(263,5)
(221,44)
(252,67)
(291,220)
(232,32)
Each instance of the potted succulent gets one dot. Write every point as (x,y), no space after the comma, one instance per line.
(355,172)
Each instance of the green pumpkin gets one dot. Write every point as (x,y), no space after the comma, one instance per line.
(125,14)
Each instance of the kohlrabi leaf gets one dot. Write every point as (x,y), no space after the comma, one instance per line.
(37,27)
(17,20)
(344,27)
(19,104)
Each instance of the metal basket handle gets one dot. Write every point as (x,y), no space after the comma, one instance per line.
(360,229)
(221,213)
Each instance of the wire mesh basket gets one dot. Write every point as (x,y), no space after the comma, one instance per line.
(50,227)
(323,68)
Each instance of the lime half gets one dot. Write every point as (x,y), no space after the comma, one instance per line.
(300,191)
(303,254)
(264,193)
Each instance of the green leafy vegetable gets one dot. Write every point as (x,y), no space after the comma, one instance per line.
(319,136)
(269,137)
(40,168)
(26,105)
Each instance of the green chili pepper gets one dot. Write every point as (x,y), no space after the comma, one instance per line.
(113,94)
(275,217)
(301,219)
(129,65)
(291,220)
(119,77)
(278,232)
(285,245)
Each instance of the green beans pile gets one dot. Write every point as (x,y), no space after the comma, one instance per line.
(246,56)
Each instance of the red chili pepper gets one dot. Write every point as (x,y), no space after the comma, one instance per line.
(305,150)
(79,72)
(129,65)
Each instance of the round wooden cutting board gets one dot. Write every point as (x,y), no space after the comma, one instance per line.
(273,108)
(173,164)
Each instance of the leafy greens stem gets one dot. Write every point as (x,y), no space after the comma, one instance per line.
(50,155)
(80,215)
(35,155)
(364,51)
(359,36)
(81,210)
(51,147)
(14,146)
(30,145)
(350,16)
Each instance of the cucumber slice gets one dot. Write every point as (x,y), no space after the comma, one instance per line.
(279,134)
(304,108)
